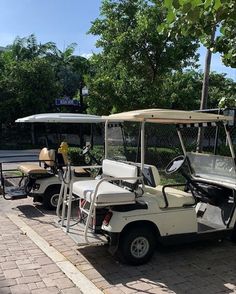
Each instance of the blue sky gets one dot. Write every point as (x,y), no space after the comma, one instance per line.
(63,22)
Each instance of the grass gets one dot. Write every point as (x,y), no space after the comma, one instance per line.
(175,178)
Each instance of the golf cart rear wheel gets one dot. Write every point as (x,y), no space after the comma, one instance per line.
(137,245)
(50,198)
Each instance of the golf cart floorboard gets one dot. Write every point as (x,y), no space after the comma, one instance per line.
(14,193)
(205,226)
(76,232)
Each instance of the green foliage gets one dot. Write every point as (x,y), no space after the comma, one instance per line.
(26,87)
(135,58)
(32,75)
(76,157)
(199,17)
(227,102)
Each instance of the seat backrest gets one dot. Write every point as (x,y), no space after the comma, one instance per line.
(114,168)
(47,156)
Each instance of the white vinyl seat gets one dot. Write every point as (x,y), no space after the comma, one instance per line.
(107,193)
(176,198)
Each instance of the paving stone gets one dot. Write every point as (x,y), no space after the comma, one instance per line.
(71,291)
(7,283)
(32,286)
(64,283)
(40,285)
(26,280)
(5,290)
(49,282)
(20,289)
(13,273)
(44,260)
(50,290)
(29,266)
(28,273)
(50,268)
(8,265)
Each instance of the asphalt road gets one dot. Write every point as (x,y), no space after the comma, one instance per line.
(11,158)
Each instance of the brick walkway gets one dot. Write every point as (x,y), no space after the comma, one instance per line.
(208,267)
(24,268)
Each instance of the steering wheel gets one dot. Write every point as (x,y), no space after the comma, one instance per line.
(175,164)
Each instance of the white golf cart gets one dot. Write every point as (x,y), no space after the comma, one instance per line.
(40,180)
(138,212)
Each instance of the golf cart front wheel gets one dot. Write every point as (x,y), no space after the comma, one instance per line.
(137,246)
(50,198)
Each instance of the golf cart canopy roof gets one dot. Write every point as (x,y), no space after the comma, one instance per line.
(61,118)
(167,116)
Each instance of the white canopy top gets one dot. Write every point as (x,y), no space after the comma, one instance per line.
(61,118)
(167,116)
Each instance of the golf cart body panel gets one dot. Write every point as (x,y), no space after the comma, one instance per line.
(173,222)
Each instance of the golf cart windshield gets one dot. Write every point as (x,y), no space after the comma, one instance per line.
(122,141)
(214,168)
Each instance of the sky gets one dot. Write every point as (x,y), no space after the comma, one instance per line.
(63,22)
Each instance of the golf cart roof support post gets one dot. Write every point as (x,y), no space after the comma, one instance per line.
(229,141)
(142,145)
(181,141)
(105,137)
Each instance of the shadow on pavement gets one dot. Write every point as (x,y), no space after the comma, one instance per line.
(206,267)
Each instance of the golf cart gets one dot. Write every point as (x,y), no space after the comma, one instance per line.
(42,180)
(138,212)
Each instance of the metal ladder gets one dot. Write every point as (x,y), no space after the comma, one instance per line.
(66,199)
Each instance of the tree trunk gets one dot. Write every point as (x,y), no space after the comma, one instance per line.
(205,86)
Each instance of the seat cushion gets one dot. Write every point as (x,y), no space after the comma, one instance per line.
(30,169)
(118,169)
(80,172)
(108,193)
(175,197)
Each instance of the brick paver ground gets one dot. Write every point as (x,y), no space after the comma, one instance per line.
(208,267)
(24,268)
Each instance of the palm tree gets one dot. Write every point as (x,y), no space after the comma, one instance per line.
(28,48)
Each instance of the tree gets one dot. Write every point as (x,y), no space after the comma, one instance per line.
(135,59)
(70,69)
(183,89)
(27,87)
(28,48)
(199,17)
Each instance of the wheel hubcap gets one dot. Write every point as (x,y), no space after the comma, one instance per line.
(54,200)
(139,247)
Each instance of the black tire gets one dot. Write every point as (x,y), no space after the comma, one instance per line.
(49,197)
(137,245)
(233,236)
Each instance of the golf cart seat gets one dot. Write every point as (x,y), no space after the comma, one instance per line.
(105,192)
(176,198)
(46,156)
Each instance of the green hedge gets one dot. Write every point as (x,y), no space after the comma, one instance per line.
(77,158)
(155,156)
